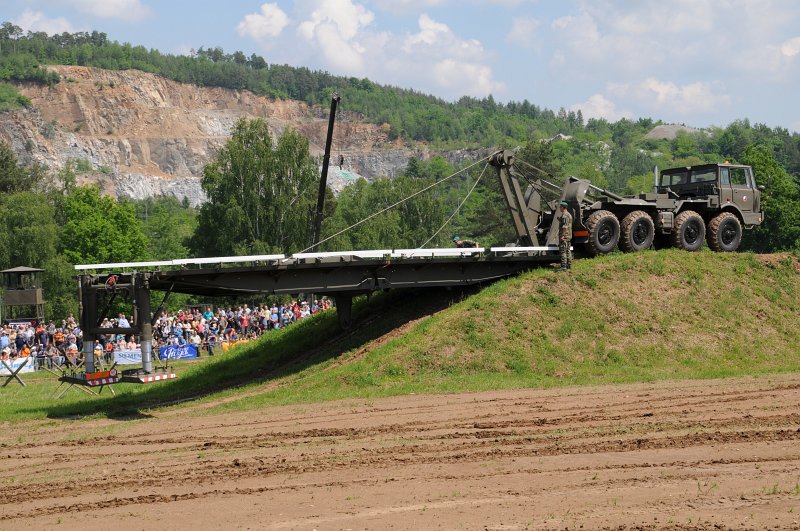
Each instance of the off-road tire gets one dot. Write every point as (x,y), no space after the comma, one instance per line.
(603,227)
(724,233)
(637,232)
(689,231)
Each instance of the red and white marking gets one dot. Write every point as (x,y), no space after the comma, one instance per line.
(103,381)
(156,378)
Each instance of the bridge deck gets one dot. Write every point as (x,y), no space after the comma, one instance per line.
(332,272)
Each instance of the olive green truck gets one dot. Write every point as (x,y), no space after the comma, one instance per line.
(688,205)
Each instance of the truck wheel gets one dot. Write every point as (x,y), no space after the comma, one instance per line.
(603,227)
(637,232)
(688,231)
(724,233)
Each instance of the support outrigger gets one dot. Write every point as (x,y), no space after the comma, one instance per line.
(101,291)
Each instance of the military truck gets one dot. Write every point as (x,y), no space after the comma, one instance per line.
(688,205)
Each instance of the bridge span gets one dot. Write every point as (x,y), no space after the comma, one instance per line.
(341,275)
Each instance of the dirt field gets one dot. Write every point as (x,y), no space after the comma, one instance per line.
(688,455)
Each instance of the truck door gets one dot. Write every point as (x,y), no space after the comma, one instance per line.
(725,192)
(742,188)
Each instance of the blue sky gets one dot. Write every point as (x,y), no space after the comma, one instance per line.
(699,62)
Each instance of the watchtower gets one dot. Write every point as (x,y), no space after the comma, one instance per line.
(23,298)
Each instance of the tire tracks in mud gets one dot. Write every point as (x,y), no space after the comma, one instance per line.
(455,448)
(622,410)
(420,438)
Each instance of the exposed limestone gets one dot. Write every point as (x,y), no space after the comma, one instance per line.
(669,131)
(144,135)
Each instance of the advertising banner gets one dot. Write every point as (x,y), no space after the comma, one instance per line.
(29,365)
(128,357)
(177,352)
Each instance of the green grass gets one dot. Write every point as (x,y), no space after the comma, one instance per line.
(621,318)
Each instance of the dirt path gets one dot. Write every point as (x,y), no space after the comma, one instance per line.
(682,455)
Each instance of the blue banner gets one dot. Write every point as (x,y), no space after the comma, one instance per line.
(27,364)
(178,352)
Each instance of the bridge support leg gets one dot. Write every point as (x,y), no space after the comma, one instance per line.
(344,310)
(143,323)
(88,307)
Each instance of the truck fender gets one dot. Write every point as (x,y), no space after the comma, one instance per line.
(730,207)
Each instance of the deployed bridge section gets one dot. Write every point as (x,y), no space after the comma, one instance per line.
(339,274)
(349,272)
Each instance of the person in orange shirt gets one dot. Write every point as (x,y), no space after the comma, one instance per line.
(58,339)
(25,351)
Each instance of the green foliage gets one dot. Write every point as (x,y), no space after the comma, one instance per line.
(260,195)
(10,98)
(98,229)
(780,202)
(409,225)
(80,166)
(539,157)
(58,282)
(684,145)
(639,183)
(486,218)
(30,233)
(169,225)
(16,178)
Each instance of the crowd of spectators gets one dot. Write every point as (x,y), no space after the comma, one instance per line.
(203,327)
(46,342)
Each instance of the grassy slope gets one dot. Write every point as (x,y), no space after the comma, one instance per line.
(621,318)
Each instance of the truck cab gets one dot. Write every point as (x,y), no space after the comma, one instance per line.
(726,186)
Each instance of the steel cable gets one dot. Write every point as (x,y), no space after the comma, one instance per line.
(440,181)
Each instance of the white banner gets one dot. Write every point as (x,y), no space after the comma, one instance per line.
(29,363)
(128,357)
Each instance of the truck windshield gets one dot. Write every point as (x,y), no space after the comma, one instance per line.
(704,176)
(671,179)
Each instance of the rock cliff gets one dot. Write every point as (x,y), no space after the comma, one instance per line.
(144,135)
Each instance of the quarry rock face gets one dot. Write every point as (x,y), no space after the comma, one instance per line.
(138,135)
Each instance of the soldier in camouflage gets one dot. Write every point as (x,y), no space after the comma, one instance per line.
(565,237)
(461,243)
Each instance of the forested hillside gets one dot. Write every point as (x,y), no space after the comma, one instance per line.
(65,224)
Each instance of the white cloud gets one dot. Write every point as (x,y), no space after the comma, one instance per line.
(466,78)
(436,39)
(335,29)
(454,64)
(339,35)
(269,23)
(407,6)
(791,47)
(598,106)
(691,98)
(653,16)
(676,38)
(524,32)
(430,32)
(347,17)
(122,9)
(37,21)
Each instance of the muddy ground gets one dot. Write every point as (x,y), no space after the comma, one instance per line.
(687,455)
